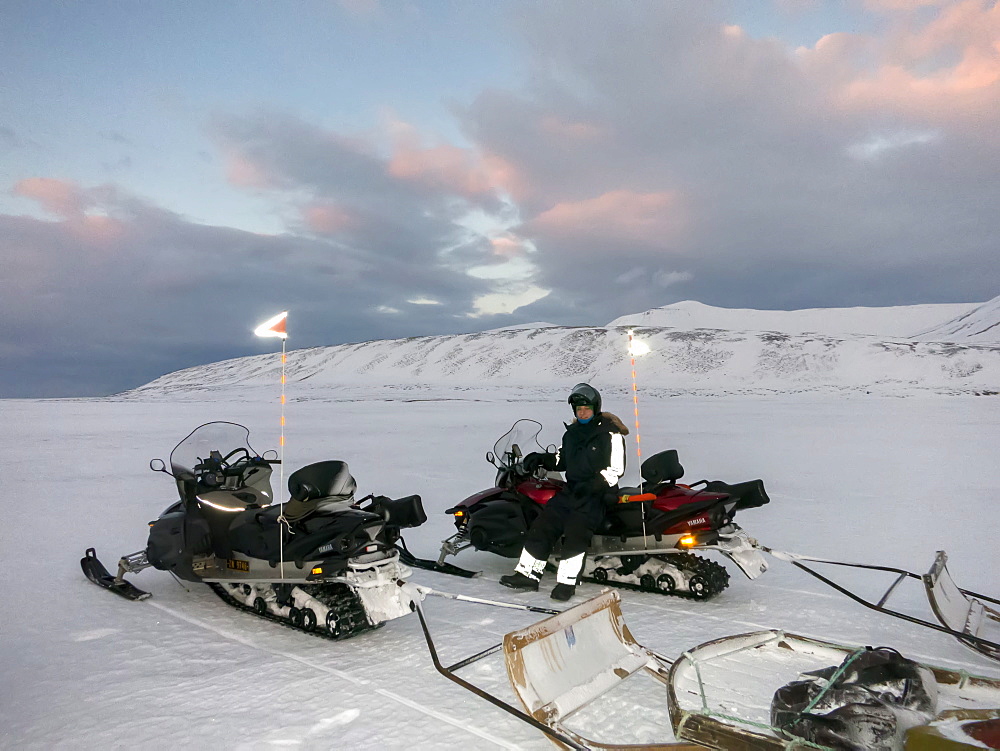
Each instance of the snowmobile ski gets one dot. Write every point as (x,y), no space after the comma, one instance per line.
(428,565)
(97,573)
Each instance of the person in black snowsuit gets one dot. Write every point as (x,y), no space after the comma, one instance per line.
(593,458)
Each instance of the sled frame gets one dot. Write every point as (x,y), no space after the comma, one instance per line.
(563,663)
(964,622)
(719,731)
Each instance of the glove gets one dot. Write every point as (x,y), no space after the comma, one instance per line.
(538,459)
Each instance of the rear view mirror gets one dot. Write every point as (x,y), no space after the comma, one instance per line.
(157,465)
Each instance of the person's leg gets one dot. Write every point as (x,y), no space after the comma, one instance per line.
(538,543)
(578,532)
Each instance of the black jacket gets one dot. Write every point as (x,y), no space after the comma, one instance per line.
(593,454)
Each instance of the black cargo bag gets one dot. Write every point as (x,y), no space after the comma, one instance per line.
(867,703)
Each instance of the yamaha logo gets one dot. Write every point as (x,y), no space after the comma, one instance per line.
(699,520)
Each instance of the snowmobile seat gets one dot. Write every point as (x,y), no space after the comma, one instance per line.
(662,467)
(323,486)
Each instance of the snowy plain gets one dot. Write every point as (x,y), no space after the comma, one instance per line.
(881,479)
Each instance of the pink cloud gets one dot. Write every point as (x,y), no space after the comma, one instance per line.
(507,246)
(242,172)
(83,213)
(327,219)
(443,167)
(59,197)
(620,214)
(446,166)
(947,67)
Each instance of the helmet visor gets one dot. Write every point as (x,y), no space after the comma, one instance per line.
(579,400)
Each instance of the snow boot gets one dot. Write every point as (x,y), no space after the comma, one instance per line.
(563,592)
(517,580)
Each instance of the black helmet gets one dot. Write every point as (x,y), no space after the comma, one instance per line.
(585,394)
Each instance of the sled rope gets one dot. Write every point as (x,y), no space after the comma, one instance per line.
(833,679)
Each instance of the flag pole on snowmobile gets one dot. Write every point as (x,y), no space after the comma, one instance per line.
(277,326)
(636,347)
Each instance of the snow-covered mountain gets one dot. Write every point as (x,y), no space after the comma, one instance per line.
(981,324)
(690,358)
(891,322)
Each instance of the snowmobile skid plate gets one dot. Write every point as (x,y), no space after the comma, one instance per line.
(94,570)
(720,693)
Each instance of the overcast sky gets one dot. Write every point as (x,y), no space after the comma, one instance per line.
(173,173)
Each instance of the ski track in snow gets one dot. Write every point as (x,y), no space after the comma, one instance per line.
(876,480)
(430,712)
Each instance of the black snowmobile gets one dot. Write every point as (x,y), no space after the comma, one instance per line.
(647,540)
(322,562)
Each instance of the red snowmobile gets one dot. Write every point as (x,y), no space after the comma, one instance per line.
(647,539)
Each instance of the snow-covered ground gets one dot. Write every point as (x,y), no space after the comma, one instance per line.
(867,478)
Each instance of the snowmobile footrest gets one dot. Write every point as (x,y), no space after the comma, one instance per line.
(94,570)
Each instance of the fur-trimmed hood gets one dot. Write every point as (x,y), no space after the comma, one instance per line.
(615,420)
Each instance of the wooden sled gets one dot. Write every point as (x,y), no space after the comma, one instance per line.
(720,692)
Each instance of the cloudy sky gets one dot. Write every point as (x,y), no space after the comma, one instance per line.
(173,173)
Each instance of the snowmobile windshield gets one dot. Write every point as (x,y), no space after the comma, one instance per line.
(517,443)
(213,440)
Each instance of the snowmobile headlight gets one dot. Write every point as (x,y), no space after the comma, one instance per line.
(687,541)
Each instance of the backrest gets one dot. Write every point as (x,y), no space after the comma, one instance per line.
(662,467)
(329,479)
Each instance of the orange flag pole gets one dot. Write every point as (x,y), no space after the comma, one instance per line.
(636,347)
(276,326)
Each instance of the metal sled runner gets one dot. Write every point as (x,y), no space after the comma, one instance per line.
(567,665)
(960,612)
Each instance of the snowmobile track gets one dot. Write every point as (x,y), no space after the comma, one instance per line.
(713,576)
(349,610)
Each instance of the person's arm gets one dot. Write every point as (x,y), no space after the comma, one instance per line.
(560,459)
(616,463)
